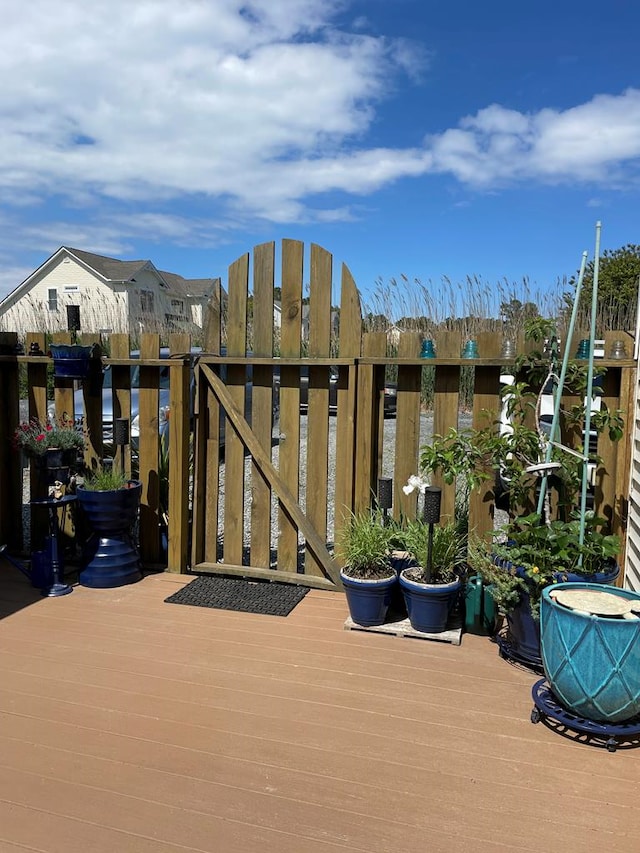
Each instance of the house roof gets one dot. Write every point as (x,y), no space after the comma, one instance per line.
(113,269)
(116,270)
(109,268)
(188,286)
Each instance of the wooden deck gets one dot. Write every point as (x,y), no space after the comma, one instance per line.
(133,725)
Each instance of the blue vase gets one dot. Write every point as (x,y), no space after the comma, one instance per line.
(368,600)
(592,663)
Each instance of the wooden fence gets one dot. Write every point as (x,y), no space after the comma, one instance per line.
(243,509)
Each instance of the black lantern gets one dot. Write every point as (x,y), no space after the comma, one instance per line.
(121,436)
(385,495)
(431,516)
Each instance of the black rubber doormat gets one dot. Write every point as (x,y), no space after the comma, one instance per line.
(267,597)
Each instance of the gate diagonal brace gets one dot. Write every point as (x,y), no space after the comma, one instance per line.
(239,423)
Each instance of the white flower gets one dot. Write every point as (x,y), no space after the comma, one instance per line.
(415,482)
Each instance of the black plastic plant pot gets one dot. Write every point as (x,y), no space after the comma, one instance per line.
(71,361)
(54,465)
(109,557)
(368,600)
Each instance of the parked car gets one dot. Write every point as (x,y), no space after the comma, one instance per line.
(390,393)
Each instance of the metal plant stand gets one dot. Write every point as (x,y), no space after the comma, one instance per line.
(610,735)
(58,586)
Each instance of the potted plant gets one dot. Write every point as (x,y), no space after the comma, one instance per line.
(109,502)
(53,445)
(368,576)
(588,636)
(432,586)
(534,548)
(531,555)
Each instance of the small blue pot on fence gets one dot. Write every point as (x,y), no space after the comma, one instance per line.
(71,361)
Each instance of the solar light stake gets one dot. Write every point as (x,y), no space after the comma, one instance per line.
(431,516)
(121,437)
(385,495)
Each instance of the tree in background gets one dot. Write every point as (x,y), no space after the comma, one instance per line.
(618,277)
(514,314)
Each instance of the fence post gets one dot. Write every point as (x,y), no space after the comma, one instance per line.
(179,446)
(407,424)
(10,470)
(149,444)
(370,380)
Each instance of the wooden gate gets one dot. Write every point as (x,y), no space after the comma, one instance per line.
(253,514)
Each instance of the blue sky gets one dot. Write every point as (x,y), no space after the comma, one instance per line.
(409,137)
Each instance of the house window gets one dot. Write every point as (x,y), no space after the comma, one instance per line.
(177,306)
(146,301)
(53,299)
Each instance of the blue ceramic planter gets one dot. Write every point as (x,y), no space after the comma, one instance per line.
(429,605)
(70,361)
(109,557)
(368,600)
(524,630)
(592,663)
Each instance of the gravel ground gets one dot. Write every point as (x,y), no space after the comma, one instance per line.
(426,430)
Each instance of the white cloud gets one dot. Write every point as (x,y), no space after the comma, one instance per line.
(156,99)
(591,142)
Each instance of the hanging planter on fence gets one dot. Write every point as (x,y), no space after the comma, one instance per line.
(71,361)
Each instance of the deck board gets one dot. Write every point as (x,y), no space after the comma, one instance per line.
(129,724)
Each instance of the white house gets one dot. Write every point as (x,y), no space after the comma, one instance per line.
(110,295)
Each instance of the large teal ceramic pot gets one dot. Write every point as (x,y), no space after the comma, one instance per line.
(592,663)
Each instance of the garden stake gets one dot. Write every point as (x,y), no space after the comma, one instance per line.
(560,386)
(587,419)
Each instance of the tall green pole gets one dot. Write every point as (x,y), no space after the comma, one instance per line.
(587,418)
(557,397)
